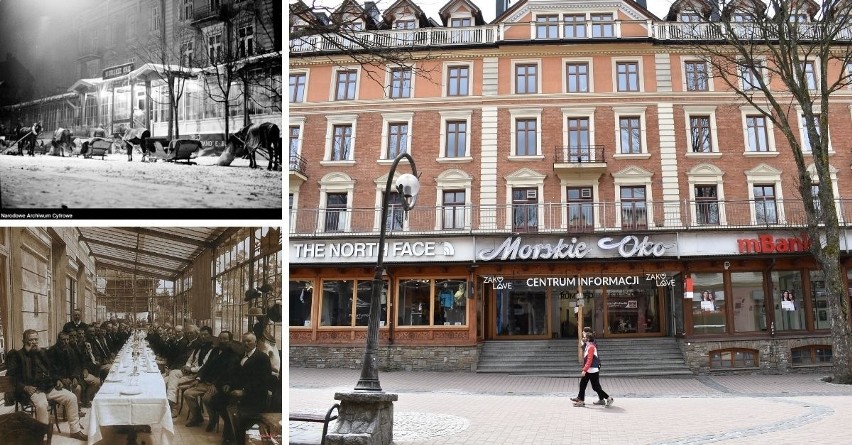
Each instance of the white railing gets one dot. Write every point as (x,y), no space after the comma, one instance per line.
(397,38)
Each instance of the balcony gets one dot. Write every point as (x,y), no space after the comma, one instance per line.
(203,13)
(298,167)
(401,38)
(715,31)
(580,158)
(546,218)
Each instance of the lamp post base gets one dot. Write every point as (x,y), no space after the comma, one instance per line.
(366,418)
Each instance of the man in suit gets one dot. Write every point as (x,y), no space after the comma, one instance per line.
(98,352)
(31,372)
(247,390)
(76,323)
(210,377)
(196,352)
(87,377)
(65,365)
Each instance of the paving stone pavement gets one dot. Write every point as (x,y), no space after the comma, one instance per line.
(470,408)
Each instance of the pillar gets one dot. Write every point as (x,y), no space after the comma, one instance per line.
(366,418)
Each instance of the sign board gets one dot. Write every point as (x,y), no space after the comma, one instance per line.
(117,71)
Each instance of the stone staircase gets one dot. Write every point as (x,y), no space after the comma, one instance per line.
(634,357)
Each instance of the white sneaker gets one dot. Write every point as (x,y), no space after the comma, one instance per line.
(609,401)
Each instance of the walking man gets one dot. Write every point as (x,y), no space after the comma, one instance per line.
(591,372)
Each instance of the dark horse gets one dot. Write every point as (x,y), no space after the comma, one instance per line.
(62,139)
(26,137)
(266,135)
(136,136)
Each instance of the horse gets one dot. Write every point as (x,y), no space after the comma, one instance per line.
(251,137)
(62,140)
(27,136)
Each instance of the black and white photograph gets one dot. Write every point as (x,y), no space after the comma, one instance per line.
(127,109)
(140,335)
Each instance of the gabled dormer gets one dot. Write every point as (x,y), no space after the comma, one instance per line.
(304,20)
(691,11)
(744,11)
(404,14)
(461,13)
(351,16)
(801,11)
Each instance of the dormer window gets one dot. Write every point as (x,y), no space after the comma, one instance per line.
(460,22)
(404,24)
(602,25)
(690,17)
(546,27)
(739,17)
(353,26)
(798,18)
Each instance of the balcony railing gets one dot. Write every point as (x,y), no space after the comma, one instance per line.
(581,217)
(745,31)
(580,154)
(298,164)
(397,38)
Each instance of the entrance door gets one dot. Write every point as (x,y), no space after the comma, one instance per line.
(569,310)
(519,311)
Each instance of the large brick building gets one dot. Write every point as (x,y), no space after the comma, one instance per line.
(565,148)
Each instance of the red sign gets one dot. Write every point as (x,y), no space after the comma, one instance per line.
(771,244)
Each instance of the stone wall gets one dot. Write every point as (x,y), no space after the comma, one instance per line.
(774,356)
(391,358)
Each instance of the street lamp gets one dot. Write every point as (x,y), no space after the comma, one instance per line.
(407,186)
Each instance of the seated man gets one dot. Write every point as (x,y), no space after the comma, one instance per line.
(210,376)
(30,372)
(247,390)
(184,362)
(66,365)
(90,382)
(76,323)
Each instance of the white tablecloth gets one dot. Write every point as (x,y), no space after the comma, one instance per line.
(115,403)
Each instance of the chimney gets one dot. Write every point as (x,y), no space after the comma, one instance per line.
(501,7)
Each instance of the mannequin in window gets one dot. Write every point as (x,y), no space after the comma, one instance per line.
(446,299)
(460,298)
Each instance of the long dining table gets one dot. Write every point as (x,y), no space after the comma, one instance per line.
(133,394)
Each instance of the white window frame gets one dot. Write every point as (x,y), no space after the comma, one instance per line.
(631,177)
(707,174)
(537,63)
(389,78)
(381,184)
(817,74)
(524,178)
(574,112)
(296,121)
(640,68)
(620,112)
(803,134)
(701,110)
(589,62)
(307,74)
(765,174)
(454,179)
(445,80)
(525,113)
(455,115)
(815,180)
(387,120)
(763,76)
(341,119)
(690,58)
(336,183)
(770,134)
(332,96)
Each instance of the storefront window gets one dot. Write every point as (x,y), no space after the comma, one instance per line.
(820,300)
(521,310)
(633,309)
(451,301)
(413,308)
(301,298)
(748,300)
(708,303)
(787,296)
(122,103)
(337,303)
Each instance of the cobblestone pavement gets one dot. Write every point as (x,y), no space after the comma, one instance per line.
(470,408)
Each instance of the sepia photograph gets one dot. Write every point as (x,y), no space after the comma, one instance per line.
(140,109)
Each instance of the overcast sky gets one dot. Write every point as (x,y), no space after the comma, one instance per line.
(658,7)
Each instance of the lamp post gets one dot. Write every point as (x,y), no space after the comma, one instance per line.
(407,186)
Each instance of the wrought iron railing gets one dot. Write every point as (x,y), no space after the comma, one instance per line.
(298,164)
(579,218)
(395,38)
(580,154)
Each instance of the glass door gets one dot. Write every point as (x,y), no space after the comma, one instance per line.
(633,310)
(520,311)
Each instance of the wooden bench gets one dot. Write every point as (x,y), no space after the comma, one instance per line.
(319,418)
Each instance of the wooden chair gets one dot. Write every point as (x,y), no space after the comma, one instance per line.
(26,406)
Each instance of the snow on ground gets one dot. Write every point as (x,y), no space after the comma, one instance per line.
(50,182)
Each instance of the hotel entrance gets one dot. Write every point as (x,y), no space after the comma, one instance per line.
(549,307)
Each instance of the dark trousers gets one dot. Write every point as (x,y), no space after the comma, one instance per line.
(594,377)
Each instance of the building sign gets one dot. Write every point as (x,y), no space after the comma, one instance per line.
(400,250)
(771,244)
(117,71)
(629,246)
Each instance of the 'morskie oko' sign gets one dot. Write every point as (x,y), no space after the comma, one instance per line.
(630,246)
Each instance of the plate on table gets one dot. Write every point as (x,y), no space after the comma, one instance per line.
(112,380)
(131,391)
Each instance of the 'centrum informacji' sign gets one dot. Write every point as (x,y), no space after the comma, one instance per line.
(117,71)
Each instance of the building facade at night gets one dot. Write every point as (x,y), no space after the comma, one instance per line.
(576,160)
(224,53)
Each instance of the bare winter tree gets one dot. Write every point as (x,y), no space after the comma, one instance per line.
(360,35)
(786,58)
(223,63)
(168,59)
